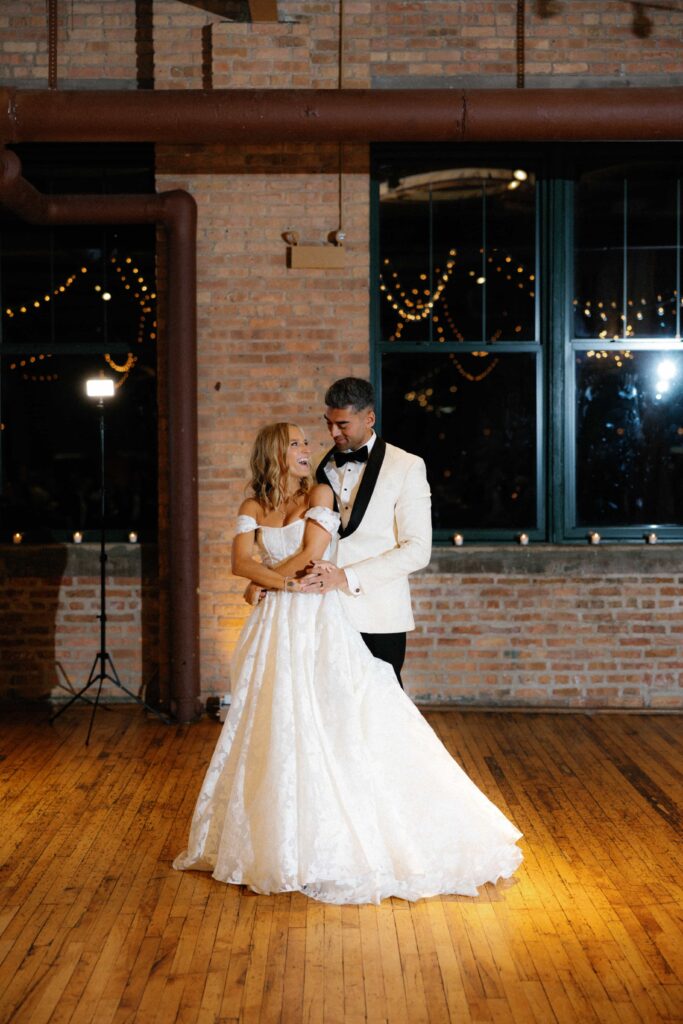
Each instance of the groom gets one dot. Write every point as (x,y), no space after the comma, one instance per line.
(383,497)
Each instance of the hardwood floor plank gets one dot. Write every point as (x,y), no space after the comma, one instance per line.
(432,981)
(97,928)
(352,965)
(237,967)
(373,974)
(314,970)
(449,966)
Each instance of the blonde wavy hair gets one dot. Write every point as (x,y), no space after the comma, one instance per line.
(269,466)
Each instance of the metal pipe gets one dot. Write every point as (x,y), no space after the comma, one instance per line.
(177,211)
(340,115)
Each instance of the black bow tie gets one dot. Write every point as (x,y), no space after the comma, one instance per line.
(360,455)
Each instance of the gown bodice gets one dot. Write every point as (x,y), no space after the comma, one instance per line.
(276,543)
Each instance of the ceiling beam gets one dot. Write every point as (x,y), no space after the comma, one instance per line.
(263,10)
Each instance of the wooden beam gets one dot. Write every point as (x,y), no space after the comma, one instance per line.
(263,10)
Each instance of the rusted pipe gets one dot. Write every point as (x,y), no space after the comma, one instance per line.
(177,212)
(340,115)
(52,41)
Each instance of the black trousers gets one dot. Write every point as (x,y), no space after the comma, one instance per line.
(389,647)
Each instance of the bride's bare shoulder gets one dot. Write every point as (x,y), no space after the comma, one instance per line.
(321,494)
(251,507)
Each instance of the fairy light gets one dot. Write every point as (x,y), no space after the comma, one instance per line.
(61,289)
(422,308)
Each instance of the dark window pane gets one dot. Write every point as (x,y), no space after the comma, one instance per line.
(629,438)
(50,450)
(406,278)
(77,285)
(473,420)
(651,258)
(78,301)
(625,254)
(511,262)
(457,255)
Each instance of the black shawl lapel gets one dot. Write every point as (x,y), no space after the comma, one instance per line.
(320,472)
(367,486)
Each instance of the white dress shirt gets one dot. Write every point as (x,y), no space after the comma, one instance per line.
(345,481)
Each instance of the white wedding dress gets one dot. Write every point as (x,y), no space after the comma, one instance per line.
(326,779)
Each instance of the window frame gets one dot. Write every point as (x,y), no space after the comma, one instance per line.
(85,168)
(556,167)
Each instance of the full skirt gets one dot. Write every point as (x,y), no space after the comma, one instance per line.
(327,780)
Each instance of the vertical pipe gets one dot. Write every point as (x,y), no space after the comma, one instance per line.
(181,226)
(52,21)
(521,68)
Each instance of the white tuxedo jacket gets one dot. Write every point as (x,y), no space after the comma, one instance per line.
(388,536)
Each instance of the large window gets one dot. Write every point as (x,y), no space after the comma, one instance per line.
(78,302)
(526,324)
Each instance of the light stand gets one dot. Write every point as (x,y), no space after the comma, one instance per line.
(103,666)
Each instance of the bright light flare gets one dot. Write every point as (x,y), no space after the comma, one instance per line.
(100,387)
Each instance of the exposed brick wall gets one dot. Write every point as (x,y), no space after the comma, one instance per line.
(384,42)
(271,339)
(566,627)
(95,43)
(49,608)
(589,38)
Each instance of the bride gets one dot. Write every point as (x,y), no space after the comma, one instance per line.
(326,779)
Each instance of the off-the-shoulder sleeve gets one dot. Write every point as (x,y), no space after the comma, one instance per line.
(325,517)
(245,524)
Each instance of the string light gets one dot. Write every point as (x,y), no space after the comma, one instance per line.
(422,308)
(36,303)
(421,305)
(143,301)
(121,367)
(474,378)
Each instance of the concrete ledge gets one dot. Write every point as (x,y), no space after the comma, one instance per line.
(558,560)
(663,81)
(141,560)
(57,560)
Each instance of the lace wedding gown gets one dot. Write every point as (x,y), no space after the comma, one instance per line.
(326,779)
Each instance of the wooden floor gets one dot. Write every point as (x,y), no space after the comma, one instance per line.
(95,926)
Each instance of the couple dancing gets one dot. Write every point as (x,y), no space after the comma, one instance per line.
(326,779)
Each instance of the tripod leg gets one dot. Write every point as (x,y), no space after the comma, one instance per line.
(101,677)
(117,682)
(92,678)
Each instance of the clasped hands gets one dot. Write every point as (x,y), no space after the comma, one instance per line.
(317,578)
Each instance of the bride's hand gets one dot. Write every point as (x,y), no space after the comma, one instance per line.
(254,594)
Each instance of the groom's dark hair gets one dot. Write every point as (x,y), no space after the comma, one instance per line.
(351,391)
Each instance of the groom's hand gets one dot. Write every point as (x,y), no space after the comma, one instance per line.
(321,577)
